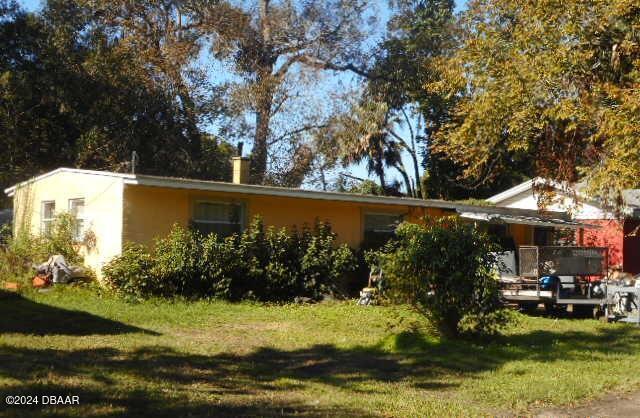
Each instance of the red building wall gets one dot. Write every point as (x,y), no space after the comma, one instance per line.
(631,251)
(610,234)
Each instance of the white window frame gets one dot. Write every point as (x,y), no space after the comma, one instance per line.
(78,234)
(219,202)
(46,221)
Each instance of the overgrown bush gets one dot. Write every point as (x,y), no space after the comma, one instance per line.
(260,264)
(19,253)
(176,263)
(445,269)
(131,275)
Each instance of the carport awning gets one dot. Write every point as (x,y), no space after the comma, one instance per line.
(524,220)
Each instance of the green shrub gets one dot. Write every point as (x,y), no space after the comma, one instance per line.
(62,240)
(131,273)
(5,234)
(445,269)
(259,264)
(177,262)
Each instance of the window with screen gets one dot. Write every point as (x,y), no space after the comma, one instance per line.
(47,216)
(379,228)
(76,209)
(221,218)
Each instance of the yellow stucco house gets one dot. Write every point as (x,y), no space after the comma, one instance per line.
(117,208)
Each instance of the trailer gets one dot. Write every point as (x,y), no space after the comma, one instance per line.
(562,277)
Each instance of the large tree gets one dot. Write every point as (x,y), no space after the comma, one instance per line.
(549,81)
(368,132)
(419,34)
(267,55)
(391,119)
(71,96)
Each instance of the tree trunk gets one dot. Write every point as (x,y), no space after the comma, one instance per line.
(259,151)
(448,324)
(380,172)
(407,181)
(264,99)
(323,179)
(416,173)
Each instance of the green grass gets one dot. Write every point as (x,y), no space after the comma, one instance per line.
(221,359)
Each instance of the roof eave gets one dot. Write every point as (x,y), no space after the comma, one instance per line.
(11,190)
(153,181)
(514,191)
(283,192)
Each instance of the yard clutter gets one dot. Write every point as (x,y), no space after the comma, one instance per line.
(56,270)
(571,276)
(369,295)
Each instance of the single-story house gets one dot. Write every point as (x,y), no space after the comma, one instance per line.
(115,208)
(619,232)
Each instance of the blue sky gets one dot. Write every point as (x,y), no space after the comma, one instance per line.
(359,171)
(36,4)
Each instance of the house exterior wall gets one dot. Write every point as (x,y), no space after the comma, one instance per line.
(522,234)
(609,235)
(117,212)
(149,212)
(624,248)
(631,250)
(103,210)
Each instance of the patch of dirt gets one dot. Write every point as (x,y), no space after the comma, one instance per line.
(619,405)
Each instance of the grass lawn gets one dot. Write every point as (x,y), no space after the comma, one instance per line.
(220,359)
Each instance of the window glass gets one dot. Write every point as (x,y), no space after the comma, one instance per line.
(379,228)
(223,219)
(500,232)
(542,236)
(47,216)
(76,209)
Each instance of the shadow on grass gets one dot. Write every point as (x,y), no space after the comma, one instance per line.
(160,381)
(142,403)
(24,316)
(163,382)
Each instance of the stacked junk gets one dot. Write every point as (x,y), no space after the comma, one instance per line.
(56,270)
(569,277)
(562,278)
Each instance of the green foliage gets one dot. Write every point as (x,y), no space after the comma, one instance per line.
(5,234)
(72,95)
(445,269)
(367,186)
(551,82)
(23,251)
(261,264)
(131,274)
(176,353)
(177,262)
(269,53)
(61,239)
(475,202)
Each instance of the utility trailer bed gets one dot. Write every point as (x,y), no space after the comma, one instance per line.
(515,295)
(573,273)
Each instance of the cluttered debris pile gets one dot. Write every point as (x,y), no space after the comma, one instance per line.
(56,270)
(570,276)
(370,294)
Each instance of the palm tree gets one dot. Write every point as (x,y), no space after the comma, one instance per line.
(367,134)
